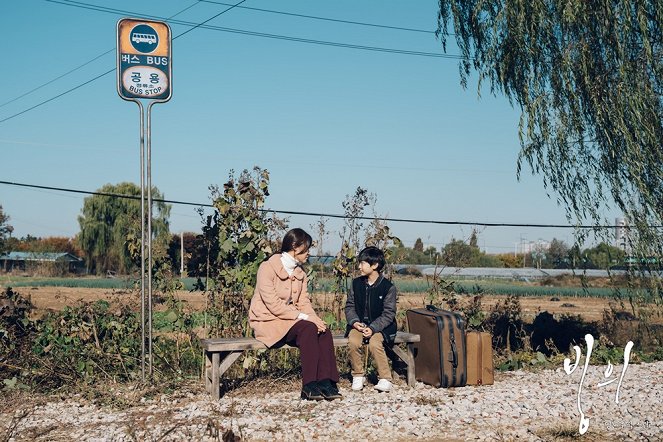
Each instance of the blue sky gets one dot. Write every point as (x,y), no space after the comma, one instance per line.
(322,119)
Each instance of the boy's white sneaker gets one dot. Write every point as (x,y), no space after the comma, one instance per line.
(357,383)
(383,385)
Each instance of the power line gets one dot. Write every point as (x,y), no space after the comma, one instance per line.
(56,97)
(230,30)
(109,71)
(96,8)
(327,215)
(271,11)
(209,19)
(55,79)
(314,17)
(259,34)
(83,65)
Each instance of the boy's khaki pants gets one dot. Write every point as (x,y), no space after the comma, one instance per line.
(376,348)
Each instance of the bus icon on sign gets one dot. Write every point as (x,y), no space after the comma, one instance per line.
(144,38)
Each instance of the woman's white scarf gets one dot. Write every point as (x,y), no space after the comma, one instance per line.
(289,263)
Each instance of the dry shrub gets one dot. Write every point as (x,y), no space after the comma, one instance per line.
(620,326)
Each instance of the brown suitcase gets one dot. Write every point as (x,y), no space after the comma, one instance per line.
(439,358)
(479,347)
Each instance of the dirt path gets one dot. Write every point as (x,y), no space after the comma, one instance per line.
(56,298)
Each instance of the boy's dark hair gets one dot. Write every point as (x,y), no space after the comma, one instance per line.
(372,255)
(295,238)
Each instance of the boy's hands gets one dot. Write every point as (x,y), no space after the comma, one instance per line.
(363,328)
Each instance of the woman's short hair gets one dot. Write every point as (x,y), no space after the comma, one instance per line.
(372,255)
(296,238)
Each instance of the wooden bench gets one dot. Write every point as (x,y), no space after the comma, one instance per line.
(220,353)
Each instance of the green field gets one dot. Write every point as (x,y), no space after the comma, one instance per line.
(465,286)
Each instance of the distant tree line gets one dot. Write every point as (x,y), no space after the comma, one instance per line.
(459,253)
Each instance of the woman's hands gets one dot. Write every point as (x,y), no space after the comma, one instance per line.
(322,327)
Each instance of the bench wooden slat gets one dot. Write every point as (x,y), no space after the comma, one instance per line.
(241,344)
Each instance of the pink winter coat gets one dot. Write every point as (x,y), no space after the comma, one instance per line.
(271,314)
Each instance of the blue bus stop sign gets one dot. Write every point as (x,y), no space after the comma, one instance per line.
(144,60)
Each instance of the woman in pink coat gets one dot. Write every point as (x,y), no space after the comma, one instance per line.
(281,313)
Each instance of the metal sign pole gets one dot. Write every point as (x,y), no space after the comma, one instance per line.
(142,239)
(144,72)
(148,142)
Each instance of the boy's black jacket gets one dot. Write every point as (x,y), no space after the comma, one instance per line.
(375,305)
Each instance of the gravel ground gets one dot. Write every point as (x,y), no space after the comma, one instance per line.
(529,406)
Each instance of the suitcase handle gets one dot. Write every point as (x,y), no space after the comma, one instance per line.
(453,356)
(432,308)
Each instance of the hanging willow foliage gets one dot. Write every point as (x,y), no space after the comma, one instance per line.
(109,221)
(586,75)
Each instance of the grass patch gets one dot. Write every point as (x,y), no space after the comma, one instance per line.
(165,321)
(92,283)
(124,282)
(568,433)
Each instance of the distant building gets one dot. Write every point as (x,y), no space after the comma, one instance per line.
(528,247)
(31,261)
(622,239)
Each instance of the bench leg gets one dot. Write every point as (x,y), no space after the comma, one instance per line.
(393,359)
(207,372)
(216,364)
(228,359)
(216,377)
(411,377)
(408,358)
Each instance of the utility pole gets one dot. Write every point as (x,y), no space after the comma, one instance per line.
(181,254)
(522,248)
